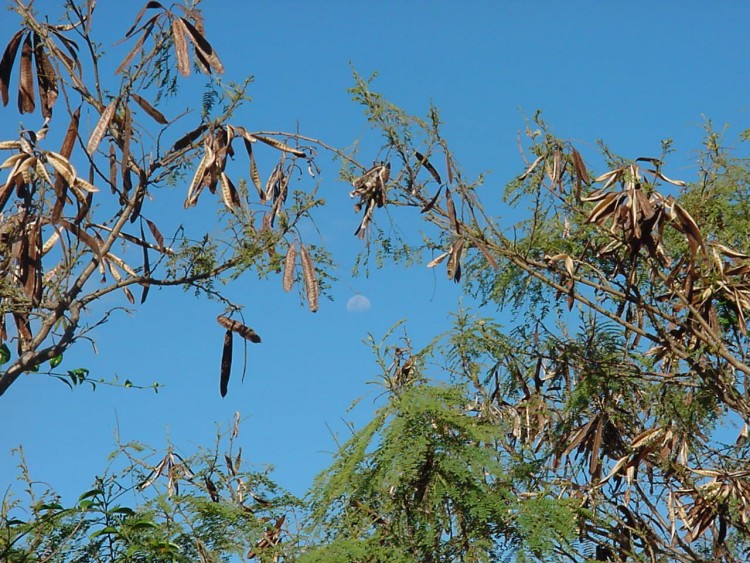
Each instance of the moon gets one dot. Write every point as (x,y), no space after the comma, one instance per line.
(358,304)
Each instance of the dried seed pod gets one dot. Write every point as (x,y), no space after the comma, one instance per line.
(226,363)
(26,81)
(280,146)
(289,263)
(6,64)
(430,168)
(155,114)
(311,283)
(101,127)
(180,46)
(244,331)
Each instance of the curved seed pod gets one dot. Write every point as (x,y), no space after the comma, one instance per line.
(188,138)
(428,165)
(42,173)
(46,78)
(229,193)
(155,114)
(435,261)
(280,146)
(244,331)
(147,29)
(158,237)
(10,145)
(50,242)
(6,64)
(196,185)
(580,167)
(63,167)
(452,211)
(203,50)
(254,174)
(85,186)
(13,160)
(433,201)
(454,262)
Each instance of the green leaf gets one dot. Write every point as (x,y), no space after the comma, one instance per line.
(105,531)
(142,524)
(4,353)
(122,510)
(15,522)
(56,361)
(78,375)
(91,493)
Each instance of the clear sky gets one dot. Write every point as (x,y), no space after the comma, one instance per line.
(630,73)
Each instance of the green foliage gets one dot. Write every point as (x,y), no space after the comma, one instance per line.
(424,481)
(209,510)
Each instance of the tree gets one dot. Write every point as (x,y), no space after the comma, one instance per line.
(585,430)
(58,236)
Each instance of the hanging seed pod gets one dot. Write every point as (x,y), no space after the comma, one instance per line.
(226,363)
(244,331)
(289,264)
(311,283)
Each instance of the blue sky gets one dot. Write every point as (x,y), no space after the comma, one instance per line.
(629,74)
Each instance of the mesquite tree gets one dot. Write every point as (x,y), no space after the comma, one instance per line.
(80,214)
(613,395)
